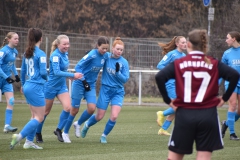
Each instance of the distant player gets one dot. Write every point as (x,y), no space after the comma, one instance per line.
(8,54)
(231,57)
(172,50)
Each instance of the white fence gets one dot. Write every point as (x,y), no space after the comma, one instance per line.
(140,72)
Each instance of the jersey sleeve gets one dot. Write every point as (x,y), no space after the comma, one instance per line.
(43,66)
(123,74)
(85,61)
(165,61)
(56,67)
(23,71)
(2,74)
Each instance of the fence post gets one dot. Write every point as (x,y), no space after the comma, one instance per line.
(140,88)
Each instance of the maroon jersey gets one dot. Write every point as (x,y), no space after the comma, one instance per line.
(196,82)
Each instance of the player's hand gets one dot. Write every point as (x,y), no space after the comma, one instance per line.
(10,80)
(86,85)
(173,106)
(117,67)
(17,79)
(221,103)
(78,75)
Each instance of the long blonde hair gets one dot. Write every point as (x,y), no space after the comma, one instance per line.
(57,41)
(8,36)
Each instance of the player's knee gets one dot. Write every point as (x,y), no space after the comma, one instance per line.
(11,101)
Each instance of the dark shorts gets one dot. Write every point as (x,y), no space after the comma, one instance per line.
(196,125)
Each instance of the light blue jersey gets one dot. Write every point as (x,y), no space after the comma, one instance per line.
(7,61)
(112,88)
(231,57)
(34,75)
(168,58)
(34,69)
(112,78)
(58,70)
(90,66)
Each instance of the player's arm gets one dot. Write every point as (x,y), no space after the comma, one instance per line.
(23,71)
(43,67)
(228,74)
(164,62)
(85,61)
(2,74)
(56,68)
(162,77)
(123,73)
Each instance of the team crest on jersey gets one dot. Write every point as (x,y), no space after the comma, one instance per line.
(43,59)
(55,59)
(1,54)
(102,61)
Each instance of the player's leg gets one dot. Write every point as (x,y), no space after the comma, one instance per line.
(102,104)
(166,125)
(231,115)
(65,100)
(7,90)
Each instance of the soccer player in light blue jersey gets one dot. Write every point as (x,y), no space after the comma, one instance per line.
(34,75)
(115,75)
(172,50)
(231,57)
(8,55)
(56,85)
(90,65)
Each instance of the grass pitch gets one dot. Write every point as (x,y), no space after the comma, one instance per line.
(134,137)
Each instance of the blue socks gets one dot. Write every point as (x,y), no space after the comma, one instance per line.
(63,119)
(39,128)
(168,111)
(230,121)
(29,128)
(166,124)
(8,116)
(30,136)
(109,126)
(68,123)
(92,120)
(85,116)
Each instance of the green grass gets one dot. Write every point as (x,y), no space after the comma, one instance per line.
(133,138)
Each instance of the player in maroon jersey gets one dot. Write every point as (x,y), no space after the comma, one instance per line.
(196,104)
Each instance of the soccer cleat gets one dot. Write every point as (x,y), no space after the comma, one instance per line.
(84,130)
(66,138)
(234,137)
(160,118)
(15,140)
(224,128)
(103,140)
(77,129)
(9,129)
(163,132)
(39,138)
(58,133)
(31,146)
